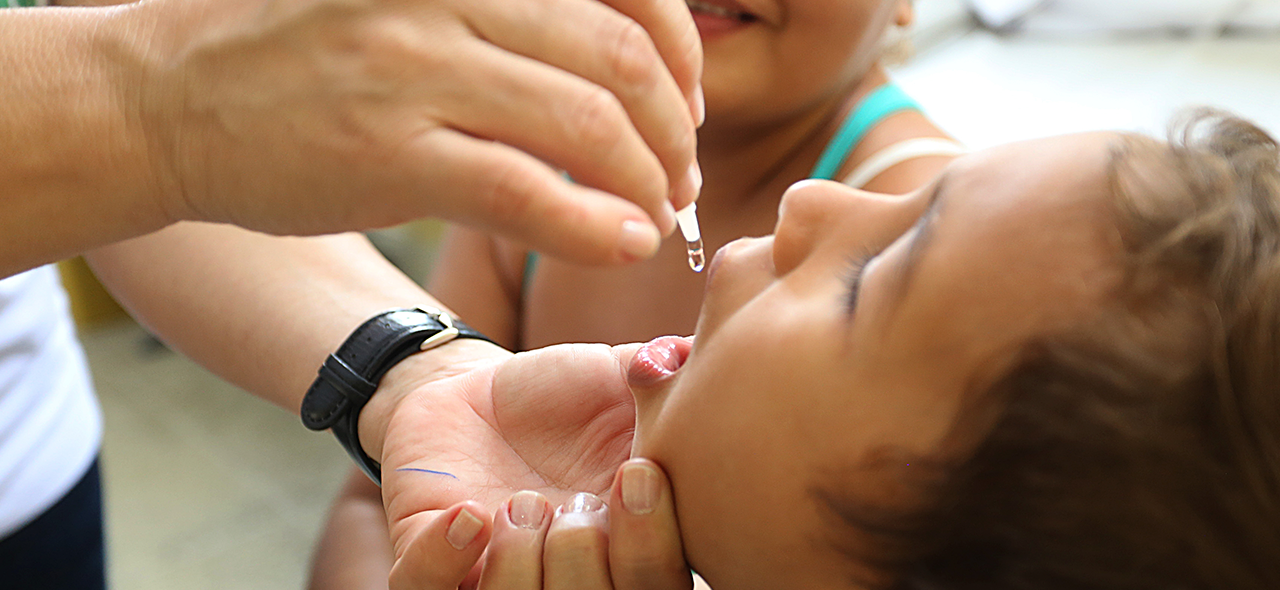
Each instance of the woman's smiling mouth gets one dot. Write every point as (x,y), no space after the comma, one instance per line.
(720,8)
(715,18)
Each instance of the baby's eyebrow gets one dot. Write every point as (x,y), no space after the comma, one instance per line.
(922,234)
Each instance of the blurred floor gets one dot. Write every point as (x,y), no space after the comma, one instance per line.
(206,486)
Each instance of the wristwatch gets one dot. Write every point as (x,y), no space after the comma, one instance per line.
(349,377)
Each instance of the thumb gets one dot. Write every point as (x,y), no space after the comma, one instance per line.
(623,353)
(442,549)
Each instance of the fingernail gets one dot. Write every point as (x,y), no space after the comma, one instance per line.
(695,178)
(463,530)
(582,502)
(690,186)
(527,509)
(639,488)
(640,240)
(667,224)
(699,106)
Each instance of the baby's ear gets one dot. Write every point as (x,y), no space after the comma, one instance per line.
(906,13)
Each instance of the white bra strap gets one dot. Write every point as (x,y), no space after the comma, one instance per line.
(901,152)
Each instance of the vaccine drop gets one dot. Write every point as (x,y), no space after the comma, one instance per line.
(687,219)
(697,259)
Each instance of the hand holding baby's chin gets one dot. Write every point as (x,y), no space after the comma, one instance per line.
(555,421)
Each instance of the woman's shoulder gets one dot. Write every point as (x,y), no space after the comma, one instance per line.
(903,152)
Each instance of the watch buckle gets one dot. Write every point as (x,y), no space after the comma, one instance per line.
(440,338)
(448,333)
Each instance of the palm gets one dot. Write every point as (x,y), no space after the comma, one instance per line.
(556,420)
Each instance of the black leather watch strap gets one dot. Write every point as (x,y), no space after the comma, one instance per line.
(349,377)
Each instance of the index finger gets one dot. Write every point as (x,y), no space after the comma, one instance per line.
(670,26)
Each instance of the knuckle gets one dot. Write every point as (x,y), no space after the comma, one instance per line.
(512,191)
(441,60)
(684,143)
(692,48)
(380,41)
(633,570)
(633,58)
(598,120)
(578,543)
(563,214)
(397,47)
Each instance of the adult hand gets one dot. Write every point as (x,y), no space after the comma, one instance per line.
(631,543)
(556,421)
(313,116)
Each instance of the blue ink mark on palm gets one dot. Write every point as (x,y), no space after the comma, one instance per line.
(427,471)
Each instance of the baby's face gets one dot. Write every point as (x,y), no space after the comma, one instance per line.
(791,56)
(794,377)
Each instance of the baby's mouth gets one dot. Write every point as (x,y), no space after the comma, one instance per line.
(720,8)
(658,360)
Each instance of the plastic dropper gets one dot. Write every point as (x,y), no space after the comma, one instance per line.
(687,219)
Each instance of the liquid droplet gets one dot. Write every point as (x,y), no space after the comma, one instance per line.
(697,259)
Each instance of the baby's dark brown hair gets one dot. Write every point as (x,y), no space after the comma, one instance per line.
(1142,451)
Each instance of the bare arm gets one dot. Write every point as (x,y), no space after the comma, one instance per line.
(71,177)
(353,552)
(284,117)
(473,279)
(261,311)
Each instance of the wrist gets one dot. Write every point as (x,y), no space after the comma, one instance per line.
(124,47)
(72,177)
(350,377)
(161,60)
(454,358)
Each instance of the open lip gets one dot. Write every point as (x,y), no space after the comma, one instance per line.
(674,349)
(658,360)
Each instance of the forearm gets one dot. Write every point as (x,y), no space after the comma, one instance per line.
(73,175)
(468,275)
(259,311)
(353,552)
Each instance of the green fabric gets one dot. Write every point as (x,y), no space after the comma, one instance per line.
(530,267)
(879,105)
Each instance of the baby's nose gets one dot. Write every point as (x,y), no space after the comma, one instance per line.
(816,213)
